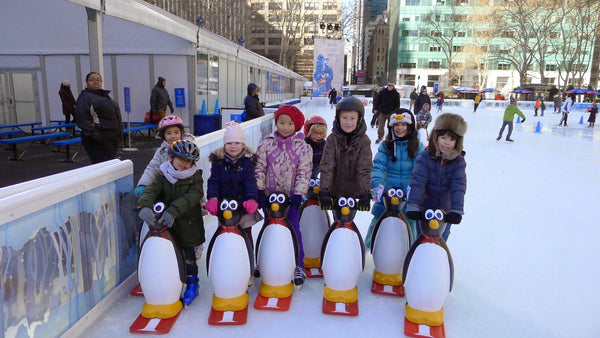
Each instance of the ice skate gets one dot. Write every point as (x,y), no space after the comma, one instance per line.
(191,290)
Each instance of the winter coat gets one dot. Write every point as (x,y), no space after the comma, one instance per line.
(333,96)
(161,155)
(347,161)
(414,95)
(252,104)
(593,112)
(68,101)
(421,100)
(438,183)
(387,101)
(568,105)
(477,99)
(538,104)
(424,116)
(232,180)
(159,98)
(284,164)
(511,111)
(388,173)
(183,202)
(98,116)
(317,149)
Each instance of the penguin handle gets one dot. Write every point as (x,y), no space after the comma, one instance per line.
(159,208)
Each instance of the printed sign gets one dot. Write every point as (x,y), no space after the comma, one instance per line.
(127,98)
(179,97)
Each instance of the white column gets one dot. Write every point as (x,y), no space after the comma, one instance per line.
(94,20)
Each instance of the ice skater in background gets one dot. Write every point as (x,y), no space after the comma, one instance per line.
(393,164)
(593,113)
(509,115)
(439,179)
(424,118)
(566,109)
(285,165)
(179,187)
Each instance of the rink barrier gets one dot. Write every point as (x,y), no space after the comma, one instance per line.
(66,242)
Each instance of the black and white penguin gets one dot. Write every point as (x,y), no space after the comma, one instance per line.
(314,224)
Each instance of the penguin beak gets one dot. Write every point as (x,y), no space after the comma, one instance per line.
(434,224)
(316,190)
(345,211)
(275,207)
(227,214)
(395,201)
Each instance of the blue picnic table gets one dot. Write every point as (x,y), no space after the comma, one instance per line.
(30,140)
(20,126)
(56,128)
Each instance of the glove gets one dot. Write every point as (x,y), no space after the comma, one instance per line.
(250,206)
(295,201)
(364,202)
(262,198)
(147,215)
(416,215)
(211,206)
(523,120)
(376,193)
(166,219)
(325,200)
(139,190)
(453,218)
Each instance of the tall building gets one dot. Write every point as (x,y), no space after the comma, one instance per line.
(376,52)
(365,13)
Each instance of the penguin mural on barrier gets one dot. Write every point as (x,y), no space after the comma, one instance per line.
(428,275)
(277,256)
(390,243)
(229,262)
(161,272)
(314,224)
(342,260)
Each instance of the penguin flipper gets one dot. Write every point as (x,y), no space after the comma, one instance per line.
(443,245)
(362,243)
(260,234)
(294,240)
(248,242)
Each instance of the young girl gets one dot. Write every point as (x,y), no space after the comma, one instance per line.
(439,180)
(285,164)
(179,186)
(393,164)
(315,129)
(232,176)
(424,118)
(170,129)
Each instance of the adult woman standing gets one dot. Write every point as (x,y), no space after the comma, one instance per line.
(99,118)
(67,99)
(253,106)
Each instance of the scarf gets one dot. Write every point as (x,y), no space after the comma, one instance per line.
(173,175)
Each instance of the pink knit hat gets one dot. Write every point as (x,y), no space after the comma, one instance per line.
(233,133)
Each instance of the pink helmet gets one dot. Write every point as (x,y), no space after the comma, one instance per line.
(169,121)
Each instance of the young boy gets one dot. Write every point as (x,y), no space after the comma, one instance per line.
(347,159)
(439,180)
(179,186)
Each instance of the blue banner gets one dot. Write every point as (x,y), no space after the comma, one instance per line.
(179,97)
(127,98)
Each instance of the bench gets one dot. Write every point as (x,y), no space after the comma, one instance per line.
(66,143)
(20,126)
(139,129)
(9,133)
(31,139)
(55,128)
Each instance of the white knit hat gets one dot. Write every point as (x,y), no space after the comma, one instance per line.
(233,133)
(66,83)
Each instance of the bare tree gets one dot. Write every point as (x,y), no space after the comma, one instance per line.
(484,28)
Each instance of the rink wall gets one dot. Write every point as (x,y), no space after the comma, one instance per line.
(66,242)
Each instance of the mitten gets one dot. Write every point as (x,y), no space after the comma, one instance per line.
(364,202)
(296,200)
(212,206)
(139,190)
(376,193)
(453,218)
(416,215)
(262,198)
(166,219)
(325,200)
(250,206)
(523,120)
(147,215)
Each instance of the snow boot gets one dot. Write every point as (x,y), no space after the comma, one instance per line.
(299,277)
(191,290)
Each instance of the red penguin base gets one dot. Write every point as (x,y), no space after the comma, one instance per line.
(313,272)
(422,330)
(389,290)
(340,309)
(144,325)
(228,317)
(137,291)
(272,303)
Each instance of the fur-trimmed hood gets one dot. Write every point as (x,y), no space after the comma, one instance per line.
(454,123)
(219,154)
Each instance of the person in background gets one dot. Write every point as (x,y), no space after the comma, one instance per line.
(68,101)
(557,103)
(509,115)
(566,109)
(159,99)
(413,98)
(375,117)
(252,105)
(389,99)
(422,99)
(593,113)
(332,98)
(439,102)
(99,118)
(538,105)
(542,106)
(477,101)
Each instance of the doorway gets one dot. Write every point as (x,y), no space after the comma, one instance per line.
(19,96)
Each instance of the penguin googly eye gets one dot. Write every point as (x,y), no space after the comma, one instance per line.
(351,203)
(312,183)
(429,214)
(399,193)
(318,181)
(224,205)
(273,198)
(342,202)
(391,193)
(233,205)
(281,198)
(439,215)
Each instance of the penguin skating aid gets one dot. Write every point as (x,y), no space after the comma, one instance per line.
(314,224)
(229,262)
(390,242)
(277,256)
(137,290)
(428,275)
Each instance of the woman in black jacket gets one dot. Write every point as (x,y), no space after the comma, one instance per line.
(253,106)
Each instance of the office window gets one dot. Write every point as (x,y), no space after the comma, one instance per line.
(434,64)
(408,65)
(432,79)
(435,48)
(413,2)
(504,66)
(551,68)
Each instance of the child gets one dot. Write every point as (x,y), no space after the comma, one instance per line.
(315,129)
(440,102)
(285,164)
(538,105)
(424,118)
(593,112)
(439,180)
(179,186)
(393,164)
(232,176)
(347,159)
(170,129)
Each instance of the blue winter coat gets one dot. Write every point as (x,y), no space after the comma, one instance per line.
(232,180)
(438,183)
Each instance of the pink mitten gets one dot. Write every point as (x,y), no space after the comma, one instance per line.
(250,206)
(211,206)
